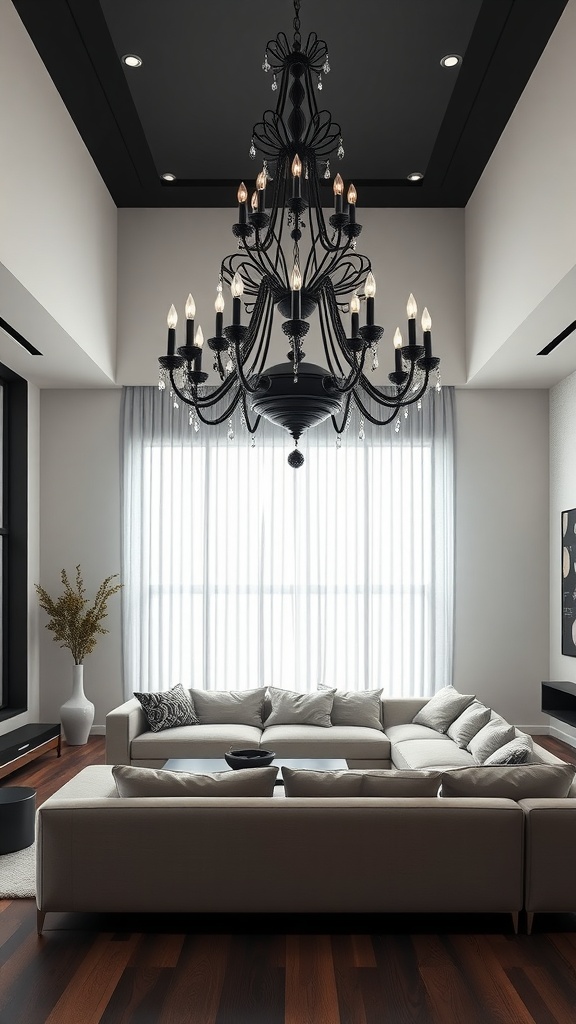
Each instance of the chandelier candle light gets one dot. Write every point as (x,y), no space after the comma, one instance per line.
(330,279)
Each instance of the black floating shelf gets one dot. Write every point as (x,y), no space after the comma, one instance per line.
(559,701)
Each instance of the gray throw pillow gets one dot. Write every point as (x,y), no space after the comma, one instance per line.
(143,782)
(515,782)
(402,783)
(229,707)
(465,727)
(361,783)
(356,707)
(495,734)
(292,708)
(443,708)
(168,709)
(518,751)
(305,782)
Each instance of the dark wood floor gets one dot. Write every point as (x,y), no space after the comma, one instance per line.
(381,969)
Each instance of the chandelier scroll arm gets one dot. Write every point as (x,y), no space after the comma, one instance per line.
(340,429)
(370,417)
(224,416)
(198,405)
(251,427)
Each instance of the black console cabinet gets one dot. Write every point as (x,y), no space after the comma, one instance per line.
(559,701)
(24,744)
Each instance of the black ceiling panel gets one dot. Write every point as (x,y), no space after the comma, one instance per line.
(191,106)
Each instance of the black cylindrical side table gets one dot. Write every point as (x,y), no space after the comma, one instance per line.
(17,817)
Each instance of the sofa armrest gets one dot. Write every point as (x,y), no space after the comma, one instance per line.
(550,840)
(123,724)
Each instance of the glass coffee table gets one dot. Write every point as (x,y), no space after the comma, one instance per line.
(218,764)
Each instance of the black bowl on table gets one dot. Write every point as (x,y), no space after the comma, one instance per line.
(252,758)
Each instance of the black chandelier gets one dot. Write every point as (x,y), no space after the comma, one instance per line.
(327,276)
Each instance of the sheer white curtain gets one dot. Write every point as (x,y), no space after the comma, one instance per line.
(241,572)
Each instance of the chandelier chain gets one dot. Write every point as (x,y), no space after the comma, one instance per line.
(297,38)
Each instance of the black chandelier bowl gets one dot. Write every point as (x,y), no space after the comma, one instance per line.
(307,304)
(297,402)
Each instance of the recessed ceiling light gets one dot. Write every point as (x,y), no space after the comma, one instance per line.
(169,177)
(415,176)
(132,60)
(451,60)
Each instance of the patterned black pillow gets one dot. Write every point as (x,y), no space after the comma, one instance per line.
(168,709)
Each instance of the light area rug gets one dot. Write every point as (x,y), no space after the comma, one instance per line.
(18,874)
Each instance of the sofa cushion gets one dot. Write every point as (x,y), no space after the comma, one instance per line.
(494,734)
(351,742)
(310,783)
(472,719)
(433,753)
(288,707)
(193,741)
(356,707)
(515,782)
(144,782)
(229,707)
(398,733)
(168,709)
(517,751)
(441,710)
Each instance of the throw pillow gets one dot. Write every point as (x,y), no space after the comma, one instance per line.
(168,709)
(304,782)
(229,707)
(465,727)
(518,751)
(516,782)
(143,782)
(495,734)
(401,783)
(361,783)
(356,707)
(291,708)
(443,708)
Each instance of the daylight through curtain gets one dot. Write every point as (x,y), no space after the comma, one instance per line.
(239,571)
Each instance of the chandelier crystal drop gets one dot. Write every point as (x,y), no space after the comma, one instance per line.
(275,282)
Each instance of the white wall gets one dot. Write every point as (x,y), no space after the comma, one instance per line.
(562,497)
(501,541)
(165,254)
(520,239)
(57,220)
(80,523)
(501,590)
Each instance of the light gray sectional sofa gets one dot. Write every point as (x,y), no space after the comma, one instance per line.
(499,835)
(367,729)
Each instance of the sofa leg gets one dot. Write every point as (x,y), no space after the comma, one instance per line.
(40,915)
(529,921)
(515,921)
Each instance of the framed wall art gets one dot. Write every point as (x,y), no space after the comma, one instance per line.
(569,582)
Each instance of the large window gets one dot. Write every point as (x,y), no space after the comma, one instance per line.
(13,543)
(241,572)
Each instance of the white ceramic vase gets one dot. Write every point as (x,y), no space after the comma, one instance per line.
(77,714)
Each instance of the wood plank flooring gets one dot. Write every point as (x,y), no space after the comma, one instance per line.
(329,969)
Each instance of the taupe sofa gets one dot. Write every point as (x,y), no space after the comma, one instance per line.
(398,743)
(98,852)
